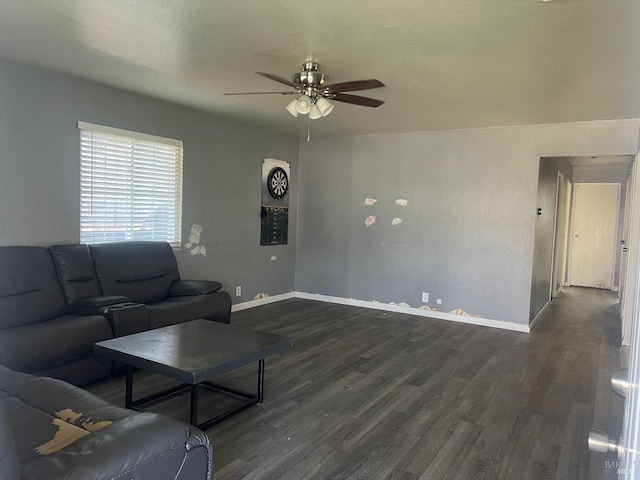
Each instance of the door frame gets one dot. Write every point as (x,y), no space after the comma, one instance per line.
(629,262)
(559,253)
(630,439)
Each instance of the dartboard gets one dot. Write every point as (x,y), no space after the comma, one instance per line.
(277,182)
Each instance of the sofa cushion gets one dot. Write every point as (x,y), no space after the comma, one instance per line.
(9,466)
(75,271)
(214,306)
(141,271)
(80,372)
(60,341)
(29,289)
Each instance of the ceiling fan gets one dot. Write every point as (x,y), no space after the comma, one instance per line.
(314,91)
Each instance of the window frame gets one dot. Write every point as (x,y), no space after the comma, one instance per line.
(138,175)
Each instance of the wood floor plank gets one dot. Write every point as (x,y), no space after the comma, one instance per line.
(478,467)
(368,394)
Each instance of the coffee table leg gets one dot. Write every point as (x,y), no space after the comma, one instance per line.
(260,380)
(128,398)
(193,416)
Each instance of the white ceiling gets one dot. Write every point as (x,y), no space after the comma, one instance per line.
(446,63)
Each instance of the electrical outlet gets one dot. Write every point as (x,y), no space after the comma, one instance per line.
(238,291)
(425,297)
(439,301)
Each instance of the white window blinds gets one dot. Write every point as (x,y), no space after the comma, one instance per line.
(130,186)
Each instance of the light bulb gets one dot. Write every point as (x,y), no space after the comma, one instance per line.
(303,104)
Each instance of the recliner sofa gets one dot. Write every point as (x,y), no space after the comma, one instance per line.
(52,430)
(56,303)
(38,332)
(139,272)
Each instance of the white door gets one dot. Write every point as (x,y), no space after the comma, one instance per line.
(593,234)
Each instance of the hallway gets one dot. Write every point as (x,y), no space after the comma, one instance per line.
(577,346)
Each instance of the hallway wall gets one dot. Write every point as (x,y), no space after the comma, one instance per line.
(544,240)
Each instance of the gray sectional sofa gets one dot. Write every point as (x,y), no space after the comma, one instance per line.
(61,300)
(51,430)
(55,304)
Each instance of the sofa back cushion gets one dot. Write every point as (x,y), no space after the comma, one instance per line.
(75,271)
(141,271)
(29,289)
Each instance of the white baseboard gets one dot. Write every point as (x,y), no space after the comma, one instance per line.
(485,322)
(263,301)
(537,317)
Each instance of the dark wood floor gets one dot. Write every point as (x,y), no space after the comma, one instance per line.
(366,394)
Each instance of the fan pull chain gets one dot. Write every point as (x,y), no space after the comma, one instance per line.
(308,128)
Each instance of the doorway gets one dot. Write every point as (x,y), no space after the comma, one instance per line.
(594,231)
(547,274)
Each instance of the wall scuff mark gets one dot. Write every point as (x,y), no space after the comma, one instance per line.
(396,221)
(193,245)
(370,201)
(401,304)
(402,202)
(459,311)
(371,219)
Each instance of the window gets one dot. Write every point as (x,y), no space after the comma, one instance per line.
(130,186)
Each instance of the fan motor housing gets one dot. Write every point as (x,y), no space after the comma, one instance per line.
(310,76)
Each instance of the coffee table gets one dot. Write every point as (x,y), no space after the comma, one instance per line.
(194,353)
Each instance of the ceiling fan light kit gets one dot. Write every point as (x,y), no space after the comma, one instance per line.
(324,106)
(315,92)
(314,112)
(303,104)
(291,107)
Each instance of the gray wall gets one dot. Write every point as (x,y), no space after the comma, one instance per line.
(467,235)
(39,174)
(545,229)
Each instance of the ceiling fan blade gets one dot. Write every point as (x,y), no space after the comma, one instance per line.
(278,79)
(356,100)
(261,93)
(354,85)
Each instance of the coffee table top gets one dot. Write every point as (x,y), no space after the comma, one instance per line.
(193,351)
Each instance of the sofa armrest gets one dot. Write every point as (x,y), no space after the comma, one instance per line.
(95,305)
(124,316)
(145,447)
(127,318)
(193,287)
